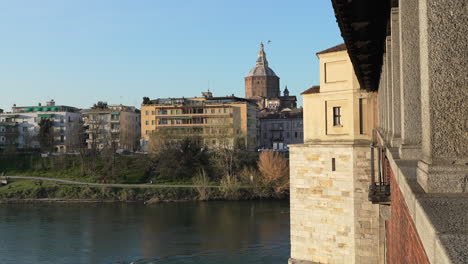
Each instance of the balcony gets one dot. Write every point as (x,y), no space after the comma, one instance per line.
(194,115)
(379,189)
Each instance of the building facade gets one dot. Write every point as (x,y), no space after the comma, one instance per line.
(217,119)
(331,218)
(115,127)
(9,132)
(279,130)
(65,121)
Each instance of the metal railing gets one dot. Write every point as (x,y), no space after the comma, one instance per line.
(379,189)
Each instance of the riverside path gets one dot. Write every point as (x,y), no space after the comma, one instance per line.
(122,185)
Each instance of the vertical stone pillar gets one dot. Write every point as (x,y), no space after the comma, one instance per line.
(380,103)
(388,80)
(395,70)
(444,63)
(410,81)
(382,100)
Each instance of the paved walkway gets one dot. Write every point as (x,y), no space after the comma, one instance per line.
(146,185)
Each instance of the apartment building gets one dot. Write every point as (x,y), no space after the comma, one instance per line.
(219,120)
(115,127)
(64,120)
(280,129)
(8,134)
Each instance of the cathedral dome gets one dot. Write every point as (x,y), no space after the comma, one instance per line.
(261,69)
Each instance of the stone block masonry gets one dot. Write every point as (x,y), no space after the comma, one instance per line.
(332,220)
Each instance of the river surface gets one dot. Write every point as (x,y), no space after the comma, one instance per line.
(184,232)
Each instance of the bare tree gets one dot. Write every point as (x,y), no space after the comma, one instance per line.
(76,142)
(274,171)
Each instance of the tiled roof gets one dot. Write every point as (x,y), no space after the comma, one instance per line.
(336,48)
(312,90)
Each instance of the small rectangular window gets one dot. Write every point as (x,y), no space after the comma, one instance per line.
(337,116)
(333,164)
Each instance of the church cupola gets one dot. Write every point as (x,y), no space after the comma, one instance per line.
(261,81)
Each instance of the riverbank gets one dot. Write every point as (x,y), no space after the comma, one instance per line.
(28,191)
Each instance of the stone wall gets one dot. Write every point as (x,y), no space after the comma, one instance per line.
(331,219)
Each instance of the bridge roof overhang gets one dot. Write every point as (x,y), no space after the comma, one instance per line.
(364,27)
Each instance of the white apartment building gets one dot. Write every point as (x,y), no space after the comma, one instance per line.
(66,124)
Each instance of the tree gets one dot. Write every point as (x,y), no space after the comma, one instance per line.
(146,100)
(274,172)
(46,134)
(177,156)
(76,142)
(100,105)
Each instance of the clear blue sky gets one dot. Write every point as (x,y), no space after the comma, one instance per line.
(79,52)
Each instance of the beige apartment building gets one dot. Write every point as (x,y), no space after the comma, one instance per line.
(219,120)
(115,127)
(331,218)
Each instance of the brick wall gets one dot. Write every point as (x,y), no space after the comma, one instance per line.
(403,242)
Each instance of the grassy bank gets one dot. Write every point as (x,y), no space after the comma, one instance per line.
(238,173)
(18,190)
(128,169)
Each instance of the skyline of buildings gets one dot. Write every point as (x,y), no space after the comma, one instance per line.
(242,118)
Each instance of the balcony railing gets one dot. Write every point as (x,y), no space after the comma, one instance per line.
(379,189)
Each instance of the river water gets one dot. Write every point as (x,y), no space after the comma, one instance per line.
(184,232)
